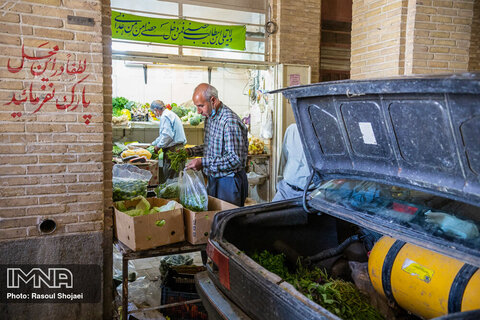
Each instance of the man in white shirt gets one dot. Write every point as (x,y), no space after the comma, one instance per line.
(293,167)
(170,137)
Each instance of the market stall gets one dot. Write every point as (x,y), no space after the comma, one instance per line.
(135,127)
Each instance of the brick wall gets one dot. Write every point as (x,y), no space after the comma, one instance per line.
(55,133)
(52,157)
(297,40)
(378,32)
(442,36)
(397,37)
(474,60)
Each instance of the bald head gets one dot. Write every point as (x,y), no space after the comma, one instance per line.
(205,98)
(208,91)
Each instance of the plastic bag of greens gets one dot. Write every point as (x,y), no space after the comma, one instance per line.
(168,190)
(129,182)
(193,192)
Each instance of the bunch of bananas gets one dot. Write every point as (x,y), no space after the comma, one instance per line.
(255,146)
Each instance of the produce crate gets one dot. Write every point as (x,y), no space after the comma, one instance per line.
(177,288)
(198,224)
(143,232)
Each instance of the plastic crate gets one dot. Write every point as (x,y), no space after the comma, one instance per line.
(177,288)
(179,281)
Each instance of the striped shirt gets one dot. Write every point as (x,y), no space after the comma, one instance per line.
(225,145)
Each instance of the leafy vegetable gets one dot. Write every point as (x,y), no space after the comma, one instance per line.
(143,204)
(195,121)
(195,203)
(178,111)
(177,158)
(151,149)
(121,206)
(337,296)
(118,103)
(127,189)
(116,150)
(168,190)
(273,263)
(143,207)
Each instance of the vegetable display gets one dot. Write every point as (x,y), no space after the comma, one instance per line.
(120,113)
(177,159)
(255,146)
(337,296)
(118,103)
(124,110)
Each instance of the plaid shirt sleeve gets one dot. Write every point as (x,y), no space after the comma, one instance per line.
(196,151)
(235,153)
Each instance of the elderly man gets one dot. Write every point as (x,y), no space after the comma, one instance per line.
(170,137)
(225,148)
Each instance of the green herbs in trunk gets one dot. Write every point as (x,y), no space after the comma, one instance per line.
(337,296)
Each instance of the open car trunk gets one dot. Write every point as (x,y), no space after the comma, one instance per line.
(398,162)
(315,240)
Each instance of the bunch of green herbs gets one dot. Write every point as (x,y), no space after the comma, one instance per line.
(168,190)
(118,103)
(195,203)
(177,159)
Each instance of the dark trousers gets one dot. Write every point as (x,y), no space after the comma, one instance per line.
(231,189)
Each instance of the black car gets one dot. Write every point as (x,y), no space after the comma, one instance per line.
(397,211)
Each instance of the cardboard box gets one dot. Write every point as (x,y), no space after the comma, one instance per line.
(198,224)
(142,232)
(152,166)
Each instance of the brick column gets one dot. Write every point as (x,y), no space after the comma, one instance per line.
(378,38)
(55,107)
(474,60)
(441,38)
(297,40)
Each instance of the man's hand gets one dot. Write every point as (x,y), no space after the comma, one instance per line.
(195,164)
(156,149)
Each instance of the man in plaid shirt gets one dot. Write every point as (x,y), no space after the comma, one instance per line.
(225,148)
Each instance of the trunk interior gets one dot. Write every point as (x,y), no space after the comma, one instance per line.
(331,243)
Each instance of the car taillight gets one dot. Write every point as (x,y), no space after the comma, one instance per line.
(222,263)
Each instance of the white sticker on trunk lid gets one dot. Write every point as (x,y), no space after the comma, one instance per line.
(367,133)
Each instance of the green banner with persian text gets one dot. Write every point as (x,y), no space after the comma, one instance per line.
(177,31)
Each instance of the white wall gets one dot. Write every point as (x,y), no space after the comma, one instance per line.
(175,83)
